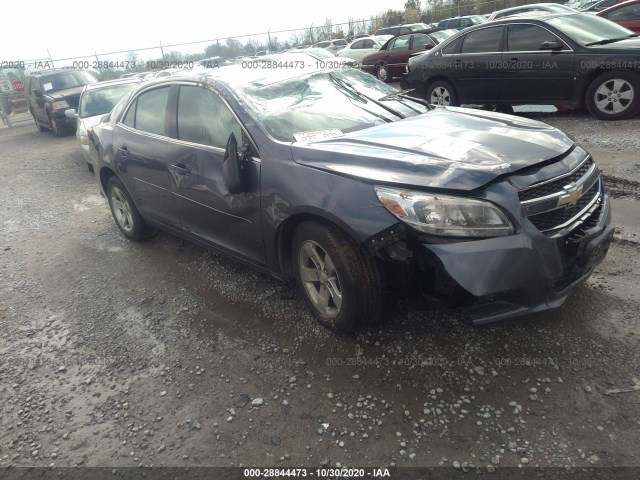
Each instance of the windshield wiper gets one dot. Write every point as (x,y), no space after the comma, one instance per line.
(606,41)
(405,94)
(344,85)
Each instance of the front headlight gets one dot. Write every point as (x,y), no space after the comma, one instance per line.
(60,104)
(445,215)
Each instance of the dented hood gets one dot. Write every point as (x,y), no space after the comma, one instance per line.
(448,148)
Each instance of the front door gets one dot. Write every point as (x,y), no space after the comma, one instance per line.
(534,74)
(207,209)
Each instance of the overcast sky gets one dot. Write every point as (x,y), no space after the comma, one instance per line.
(74,28)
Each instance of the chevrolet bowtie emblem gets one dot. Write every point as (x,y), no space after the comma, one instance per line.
(571,196)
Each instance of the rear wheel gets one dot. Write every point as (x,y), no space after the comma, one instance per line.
(614,95)
(125,213)
(442,93)
(341,285)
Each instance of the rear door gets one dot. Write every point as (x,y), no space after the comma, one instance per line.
(398,52)
(140,143)
(475,70)
(207,209)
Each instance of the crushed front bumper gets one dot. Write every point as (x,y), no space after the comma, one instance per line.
(507,277)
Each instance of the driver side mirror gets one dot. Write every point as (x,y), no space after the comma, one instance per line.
(550,46)
(429,46)
(37,93)
(232,167)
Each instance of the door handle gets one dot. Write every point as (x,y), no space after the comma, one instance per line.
(181,169)
(456,63)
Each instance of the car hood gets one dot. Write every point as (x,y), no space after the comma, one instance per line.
(92,121)
(67,92)
(631,44)
(446,148)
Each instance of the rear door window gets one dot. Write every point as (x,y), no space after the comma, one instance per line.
(485,40)
(401,43)
(147,113)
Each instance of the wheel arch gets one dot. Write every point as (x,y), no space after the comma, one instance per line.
(284,236)
(105,174)
(440,78)
(595,74)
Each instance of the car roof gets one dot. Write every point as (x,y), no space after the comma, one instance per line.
(255,77)
(539,16)
(109,83)
(530,5)
(426,31)
(51,71)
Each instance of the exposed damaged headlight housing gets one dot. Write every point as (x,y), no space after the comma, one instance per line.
(445,215)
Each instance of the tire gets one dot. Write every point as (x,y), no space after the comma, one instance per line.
(125,213)
(382,73)
(58,130)
(614,95)
(504,108)
(355,295)
(442,93)
(40,127)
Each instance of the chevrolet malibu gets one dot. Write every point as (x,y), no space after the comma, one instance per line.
(339,182)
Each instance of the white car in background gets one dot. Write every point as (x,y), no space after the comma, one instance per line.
(332,45)
(96,100)
(361,47)
(535,7)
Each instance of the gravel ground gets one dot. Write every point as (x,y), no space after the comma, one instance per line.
(120,354)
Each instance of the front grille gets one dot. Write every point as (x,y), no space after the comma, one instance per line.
(554,186)
(549,205)
(555,218)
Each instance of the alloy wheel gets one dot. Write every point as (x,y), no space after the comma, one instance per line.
(614,96)
(121,209)
(320,279)
(440,96)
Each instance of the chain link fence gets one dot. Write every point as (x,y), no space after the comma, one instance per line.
(140,59)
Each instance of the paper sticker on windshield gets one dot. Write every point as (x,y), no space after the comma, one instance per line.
(318,135)
(47,86)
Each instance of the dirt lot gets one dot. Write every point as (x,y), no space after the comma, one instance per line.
(118,354)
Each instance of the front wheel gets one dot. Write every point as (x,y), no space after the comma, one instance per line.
(614,95)
(125,213)
(382,72)
(442,93)
(341,285)
(40,127)
(58,129)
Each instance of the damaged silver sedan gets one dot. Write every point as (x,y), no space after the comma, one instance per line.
(335,180)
